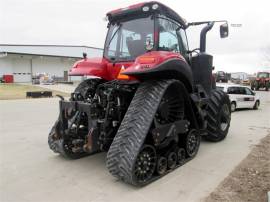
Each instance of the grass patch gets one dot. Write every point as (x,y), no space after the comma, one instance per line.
(18,91)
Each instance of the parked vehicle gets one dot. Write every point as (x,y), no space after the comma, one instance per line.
(246,82)
(151,98)
(46,80)
(262,81)
(222,76)
(240,96)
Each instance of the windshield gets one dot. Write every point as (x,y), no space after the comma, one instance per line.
(263,75)
(127,40)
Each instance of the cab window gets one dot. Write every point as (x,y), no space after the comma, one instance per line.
(233,90)
(242,91)
(169,36)
(249,92)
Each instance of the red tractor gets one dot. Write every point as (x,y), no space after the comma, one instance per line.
(262,81)
(148,100)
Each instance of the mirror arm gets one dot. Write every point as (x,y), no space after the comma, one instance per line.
(203,22)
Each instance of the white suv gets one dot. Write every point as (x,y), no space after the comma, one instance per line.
(240,96)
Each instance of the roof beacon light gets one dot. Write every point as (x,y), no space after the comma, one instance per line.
(155,6)
(145,8)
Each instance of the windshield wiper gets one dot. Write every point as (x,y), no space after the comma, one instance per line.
(113,36)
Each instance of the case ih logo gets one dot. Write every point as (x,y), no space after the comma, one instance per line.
(145,66)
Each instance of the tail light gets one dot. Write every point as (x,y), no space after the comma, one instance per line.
(147,60)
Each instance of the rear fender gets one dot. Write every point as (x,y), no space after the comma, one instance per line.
(161,65)
(91,67)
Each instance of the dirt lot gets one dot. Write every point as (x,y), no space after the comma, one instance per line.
(17,91)
(250,180)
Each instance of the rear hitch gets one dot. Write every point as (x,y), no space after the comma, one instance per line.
(60,96)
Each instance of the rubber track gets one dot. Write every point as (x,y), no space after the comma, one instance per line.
(134,128)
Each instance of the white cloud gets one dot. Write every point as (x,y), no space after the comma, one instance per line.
(80,22)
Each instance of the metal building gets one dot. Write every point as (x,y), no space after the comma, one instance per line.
(25,61)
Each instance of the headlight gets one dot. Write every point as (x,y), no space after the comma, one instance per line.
(155,6)
(145,8)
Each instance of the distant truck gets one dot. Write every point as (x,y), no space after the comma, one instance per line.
(262,81)
(222,76)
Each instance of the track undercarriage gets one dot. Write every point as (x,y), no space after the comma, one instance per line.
(148,129)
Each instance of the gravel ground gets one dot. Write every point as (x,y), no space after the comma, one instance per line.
(250,180)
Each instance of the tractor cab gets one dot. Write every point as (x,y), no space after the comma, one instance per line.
(141,28)
(148,40)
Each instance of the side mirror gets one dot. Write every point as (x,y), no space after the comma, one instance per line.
(224,30)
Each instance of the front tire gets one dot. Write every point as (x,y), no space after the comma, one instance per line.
(218,116)
(256,105)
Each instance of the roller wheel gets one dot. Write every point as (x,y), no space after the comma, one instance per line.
(193,140)
(172,160)
(218,116)
(181,155)
(161,165)
(145,164)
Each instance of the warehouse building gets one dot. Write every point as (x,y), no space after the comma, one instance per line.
(26,61)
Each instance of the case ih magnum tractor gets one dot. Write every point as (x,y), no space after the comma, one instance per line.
(262,81)
(148,100)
